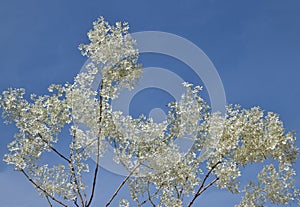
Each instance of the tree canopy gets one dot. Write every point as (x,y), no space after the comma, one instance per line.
(159,174)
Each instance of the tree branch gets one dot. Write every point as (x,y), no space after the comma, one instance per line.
(208,185)
(202,184)
(50,204)
(121,185)
(73,171)
(52,148)
(44,191)
(75,202)
(98,148)
(150,196)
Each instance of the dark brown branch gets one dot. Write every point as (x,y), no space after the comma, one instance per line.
(208,185)
(50,204)
(73,171)
(98,148)
(181,190)
(75,202)
(177,192)
(201,189)
(121,185)
(43,190)
(52,148)
(150,196)
(86,146)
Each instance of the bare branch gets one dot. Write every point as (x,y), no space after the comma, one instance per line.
(198,193)
(208,185)
(75,202)
(150,196)
(52,148)
(121,185)
(98,149)
(49,202)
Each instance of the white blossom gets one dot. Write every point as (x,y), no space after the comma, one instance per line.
(159,173)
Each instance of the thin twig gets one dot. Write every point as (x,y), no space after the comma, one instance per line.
(121,185)
(98,148)
(50,204)
(150,196)
(75,202)
(52,148)
(44,191)
(177,192)
(202,184)
(73,170)
(181,190)
(208,185)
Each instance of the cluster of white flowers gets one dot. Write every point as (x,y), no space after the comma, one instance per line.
(112,49)
(275,186)
(159,173)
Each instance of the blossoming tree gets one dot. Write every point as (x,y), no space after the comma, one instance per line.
(159,174)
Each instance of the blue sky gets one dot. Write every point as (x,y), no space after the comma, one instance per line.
(254,45)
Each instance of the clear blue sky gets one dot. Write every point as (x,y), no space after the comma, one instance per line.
(254,45)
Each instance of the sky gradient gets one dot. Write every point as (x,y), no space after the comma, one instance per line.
(254,45)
